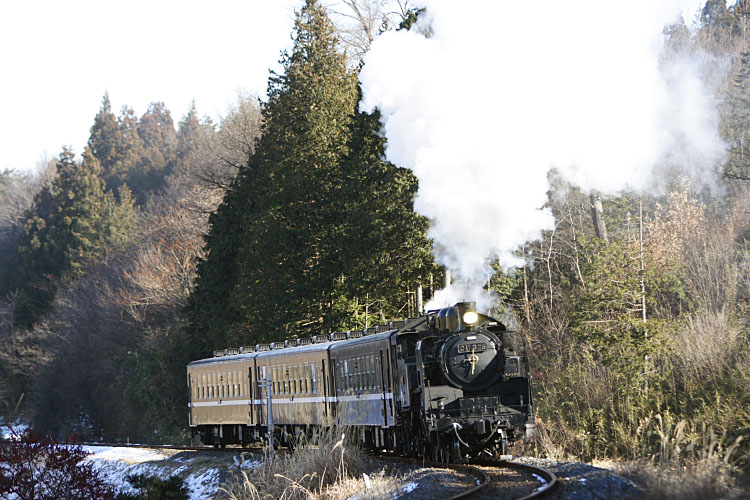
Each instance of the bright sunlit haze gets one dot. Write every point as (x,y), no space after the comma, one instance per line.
(59,58)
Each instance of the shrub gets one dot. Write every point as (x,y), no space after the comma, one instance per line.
(33,467)
(153,488)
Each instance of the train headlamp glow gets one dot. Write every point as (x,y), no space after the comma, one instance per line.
(470,317)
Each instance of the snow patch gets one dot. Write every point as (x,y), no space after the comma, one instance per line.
(203,485)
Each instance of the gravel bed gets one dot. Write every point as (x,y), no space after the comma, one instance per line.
(576,480)
(431,482)
(582,481)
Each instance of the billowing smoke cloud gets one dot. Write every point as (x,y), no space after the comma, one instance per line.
(500,92)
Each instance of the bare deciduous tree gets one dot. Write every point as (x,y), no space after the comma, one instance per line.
(360,21)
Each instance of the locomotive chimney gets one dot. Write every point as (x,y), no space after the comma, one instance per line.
(448,319)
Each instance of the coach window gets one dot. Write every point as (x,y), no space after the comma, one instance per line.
(360,369)
(371,371)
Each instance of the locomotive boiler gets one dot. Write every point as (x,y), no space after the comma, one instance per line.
(447,385)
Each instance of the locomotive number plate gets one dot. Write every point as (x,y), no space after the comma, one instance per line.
(478,347)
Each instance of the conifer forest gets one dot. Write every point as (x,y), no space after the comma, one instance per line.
(162,239)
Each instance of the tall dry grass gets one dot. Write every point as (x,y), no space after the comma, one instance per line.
(684,469)
(326,466)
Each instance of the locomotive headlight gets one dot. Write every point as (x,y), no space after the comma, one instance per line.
(470,317)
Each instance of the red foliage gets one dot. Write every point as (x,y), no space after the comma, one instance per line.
(33,467)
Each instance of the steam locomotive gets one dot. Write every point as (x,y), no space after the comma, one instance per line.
(448,385)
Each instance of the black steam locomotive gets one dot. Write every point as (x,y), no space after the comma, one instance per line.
(447,385)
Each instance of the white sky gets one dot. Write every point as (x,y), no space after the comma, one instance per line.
(58,57)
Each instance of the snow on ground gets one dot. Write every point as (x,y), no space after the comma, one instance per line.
(115,464)
(395,494)
(5,429)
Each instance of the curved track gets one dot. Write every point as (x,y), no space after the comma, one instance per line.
(482,477)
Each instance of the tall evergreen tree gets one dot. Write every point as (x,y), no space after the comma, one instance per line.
(282,270)
(188,134)
(157,133)
(386,238)
(316,220)
(104,139)
(65,228)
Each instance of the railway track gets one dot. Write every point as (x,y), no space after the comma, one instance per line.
(528,481)
(492,479)
(173,447)
(493,482)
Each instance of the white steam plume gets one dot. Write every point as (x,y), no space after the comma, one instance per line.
(500,92)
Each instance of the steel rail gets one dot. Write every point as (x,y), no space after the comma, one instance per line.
(548,476)
(483,479)
(168,447)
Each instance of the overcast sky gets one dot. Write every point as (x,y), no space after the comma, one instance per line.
(58,57)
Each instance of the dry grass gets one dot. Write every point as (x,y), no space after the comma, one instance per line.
(700,480)
(707,346)
(325,467)
(684,469)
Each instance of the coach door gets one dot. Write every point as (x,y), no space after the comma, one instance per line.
(326,392)
(251,418)
(191,398)
(383,385)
